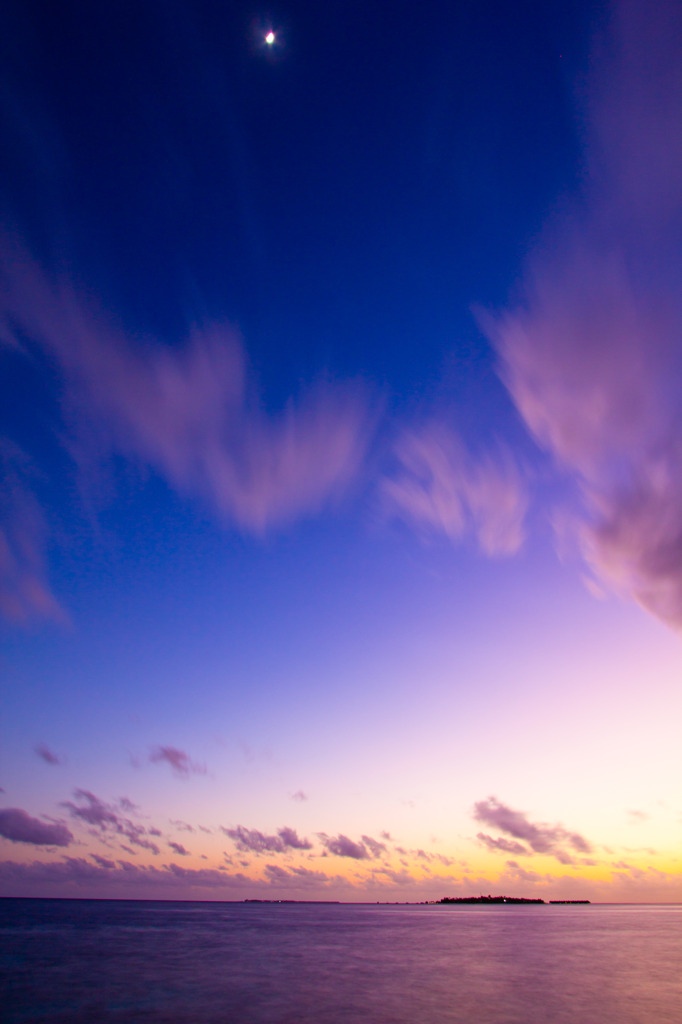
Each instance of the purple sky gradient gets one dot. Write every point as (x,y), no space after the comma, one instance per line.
(341,453)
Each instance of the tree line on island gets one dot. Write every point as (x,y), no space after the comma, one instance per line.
(501,899)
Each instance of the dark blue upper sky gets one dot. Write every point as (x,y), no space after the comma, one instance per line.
(344,198)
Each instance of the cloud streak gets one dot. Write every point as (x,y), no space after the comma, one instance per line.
(439,488)
(501,845)
(189,412)
(592,354)
(25,592)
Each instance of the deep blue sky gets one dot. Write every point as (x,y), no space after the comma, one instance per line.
(343,200)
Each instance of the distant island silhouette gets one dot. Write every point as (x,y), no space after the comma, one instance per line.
(501,899)
(432,903)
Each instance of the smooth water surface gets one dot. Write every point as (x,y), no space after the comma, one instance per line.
(228,963)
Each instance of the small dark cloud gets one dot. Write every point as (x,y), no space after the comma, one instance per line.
(342,846)
(179,848)
(47,755)
(253,841)
(387,836)
(179,761)
(299,796)
(19,827)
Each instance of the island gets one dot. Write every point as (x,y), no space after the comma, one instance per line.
(488,899)
(503,899)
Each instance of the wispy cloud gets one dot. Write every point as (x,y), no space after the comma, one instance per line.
(299,796)
(541,838)
(178,848)
(182,826)
(19,827)
(440,488)
(106,818)
(374,846)
(179,761)
(301,878)
(501,845)
(519,874)
(189,412)
(592,354)
(637,817)
(250,839)
(25,592)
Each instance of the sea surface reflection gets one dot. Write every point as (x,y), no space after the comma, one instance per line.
(231,963)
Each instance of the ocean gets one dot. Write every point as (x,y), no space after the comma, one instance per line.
(249,963)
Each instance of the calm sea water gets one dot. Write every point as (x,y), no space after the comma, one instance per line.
(226,963)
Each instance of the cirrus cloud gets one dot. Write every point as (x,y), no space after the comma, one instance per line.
(188,412)
(592,352)
(440,488)
(191,412)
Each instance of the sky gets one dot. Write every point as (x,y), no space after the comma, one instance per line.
(341,450)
